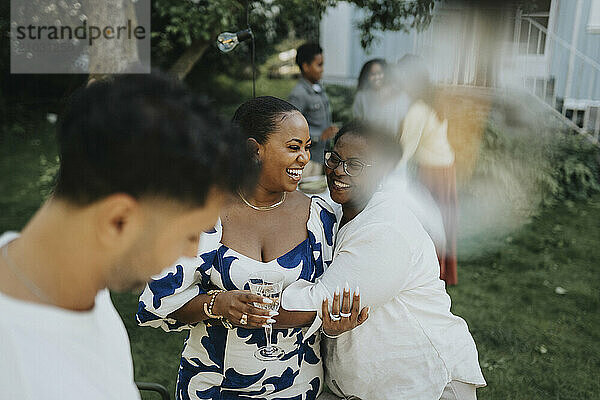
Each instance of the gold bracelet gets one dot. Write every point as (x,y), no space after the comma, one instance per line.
(208,308)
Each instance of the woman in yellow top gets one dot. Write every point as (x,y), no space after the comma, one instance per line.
(424,139)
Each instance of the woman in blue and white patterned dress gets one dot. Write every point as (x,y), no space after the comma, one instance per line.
(274,228)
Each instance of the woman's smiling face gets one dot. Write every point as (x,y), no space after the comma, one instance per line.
(285,154)
(350,189)
(376,76)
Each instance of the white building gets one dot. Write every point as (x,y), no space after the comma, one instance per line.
(554,52)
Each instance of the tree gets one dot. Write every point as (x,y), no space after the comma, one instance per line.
(392,15)
(182,30)
(186,29)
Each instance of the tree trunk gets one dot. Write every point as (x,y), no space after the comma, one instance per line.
(189,58)
(112,56)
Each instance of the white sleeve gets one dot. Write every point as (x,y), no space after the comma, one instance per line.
(375,257)
(168,292)
(177,285)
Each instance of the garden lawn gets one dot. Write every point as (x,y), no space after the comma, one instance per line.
(532,306)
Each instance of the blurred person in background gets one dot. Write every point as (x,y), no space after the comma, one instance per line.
(385,109)
(428,153)
(310,98)
(369,89)
(144,167)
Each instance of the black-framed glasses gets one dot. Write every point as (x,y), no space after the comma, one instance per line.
(352,166)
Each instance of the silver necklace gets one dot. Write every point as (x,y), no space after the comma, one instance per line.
(31,286)
(263,208)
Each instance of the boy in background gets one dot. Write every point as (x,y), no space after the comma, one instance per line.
(309,97)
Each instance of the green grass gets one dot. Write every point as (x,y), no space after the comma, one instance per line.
(27,163)
(155,353)
(533,343)
(229,93)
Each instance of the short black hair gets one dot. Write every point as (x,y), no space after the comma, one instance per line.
(366,68)
(259,117)
(147,136)
(306,53)
(384,142)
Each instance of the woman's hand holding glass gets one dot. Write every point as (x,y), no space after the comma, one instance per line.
(344,317)
(268,283)
(237,307)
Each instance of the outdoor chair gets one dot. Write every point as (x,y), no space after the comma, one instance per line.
(154,387)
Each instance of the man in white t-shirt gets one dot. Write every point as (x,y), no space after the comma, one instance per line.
(144,169)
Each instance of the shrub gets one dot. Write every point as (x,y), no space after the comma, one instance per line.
(341,98)
(539,166)
(575,166)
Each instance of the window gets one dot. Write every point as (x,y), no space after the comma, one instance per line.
(593,25)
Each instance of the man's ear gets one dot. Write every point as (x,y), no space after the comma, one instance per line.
(118,220)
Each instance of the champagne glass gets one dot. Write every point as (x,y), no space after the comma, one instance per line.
(268,284)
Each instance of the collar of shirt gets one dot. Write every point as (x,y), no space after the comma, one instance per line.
(315,87)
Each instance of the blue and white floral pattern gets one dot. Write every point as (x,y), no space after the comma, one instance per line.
(218,363)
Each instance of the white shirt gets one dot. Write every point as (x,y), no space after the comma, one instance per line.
(412,345)
(52,353)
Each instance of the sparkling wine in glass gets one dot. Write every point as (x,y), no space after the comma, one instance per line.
(268,284)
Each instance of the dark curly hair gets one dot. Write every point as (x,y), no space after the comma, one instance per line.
(147,135)
(306,53)
(259,118)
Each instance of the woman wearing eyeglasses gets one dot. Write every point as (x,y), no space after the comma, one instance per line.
(412,346)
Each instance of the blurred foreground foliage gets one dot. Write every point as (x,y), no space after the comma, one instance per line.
(554,165)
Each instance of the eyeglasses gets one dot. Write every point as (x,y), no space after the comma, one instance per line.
(352,166)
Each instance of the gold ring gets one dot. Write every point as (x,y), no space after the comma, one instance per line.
(244,320)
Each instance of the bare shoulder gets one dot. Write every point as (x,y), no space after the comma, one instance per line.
(299,200)
(298,203)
